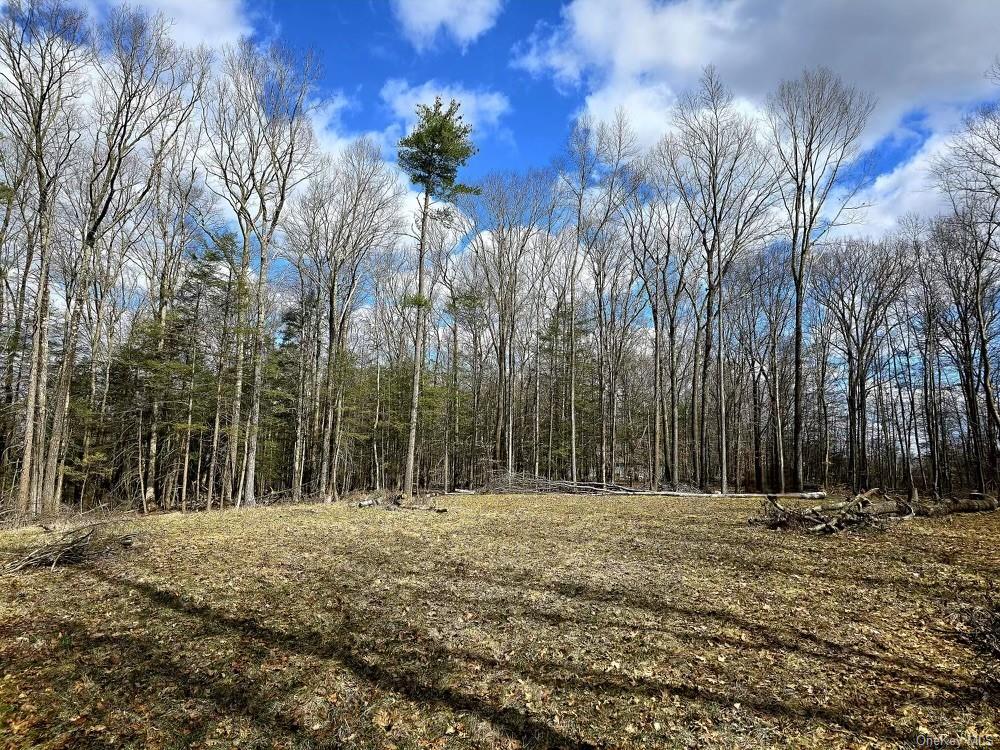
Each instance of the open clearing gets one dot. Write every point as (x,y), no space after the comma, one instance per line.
(569,622)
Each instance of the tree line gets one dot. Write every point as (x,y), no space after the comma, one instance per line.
(199,308)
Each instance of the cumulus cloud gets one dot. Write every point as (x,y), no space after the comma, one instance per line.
(481,108)
(647,103)
(213,23)
(914,56)
(631,38)
(916,53)
(908,188)
(462,20)
(332,136)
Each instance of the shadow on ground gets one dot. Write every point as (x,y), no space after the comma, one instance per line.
(423,643)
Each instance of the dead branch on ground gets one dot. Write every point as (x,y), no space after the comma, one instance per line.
(873,509)
(502,483)
(394,501)
(79,545)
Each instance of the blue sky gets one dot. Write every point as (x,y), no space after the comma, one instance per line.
(525,68)
(362,46)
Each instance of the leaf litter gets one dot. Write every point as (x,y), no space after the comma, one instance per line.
(508,622)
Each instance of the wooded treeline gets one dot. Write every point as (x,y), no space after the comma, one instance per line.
(200,309)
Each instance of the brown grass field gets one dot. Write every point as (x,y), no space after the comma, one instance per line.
(507,622)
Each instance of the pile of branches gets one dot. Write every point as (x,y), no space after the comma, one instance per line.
(394,501)
(73,547)
(984,632)
(874,509)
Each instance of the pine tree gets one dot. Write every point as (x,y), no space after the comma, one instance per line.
(431,155)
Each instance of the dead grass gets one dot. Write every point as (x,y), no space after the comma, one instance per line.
(507,622)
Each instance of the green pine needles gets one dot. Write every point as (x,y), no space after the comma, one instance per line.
(439,145)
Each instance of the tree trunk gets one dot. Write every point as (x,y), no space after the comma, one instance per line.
(418,351)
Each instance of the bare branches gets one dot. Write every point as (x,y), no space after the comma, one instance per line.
(260,139)
(815,126)
(73,547)
(196,304)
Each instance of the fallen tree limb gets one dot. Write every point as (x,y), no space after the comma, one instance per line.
(503,483)
(428,508)
(818,495)
(394,501)
(872,509)
(969,505)
(73,547)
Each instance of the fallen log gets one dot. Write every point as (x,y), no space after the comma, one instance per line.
(381,500)
(428,508)
(394,501)
(524,484)
(947,507)
(817,495)
(502,483)
(873,509)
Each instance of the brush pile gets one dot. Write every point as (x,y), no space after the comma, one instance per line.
(874,509)
(73,547)
(394,501)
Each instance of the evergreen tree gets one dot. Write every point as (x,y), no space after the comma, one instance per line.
(431,155)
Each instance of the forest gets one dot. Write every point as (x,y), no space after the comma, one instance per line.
(235,347)
(201,308)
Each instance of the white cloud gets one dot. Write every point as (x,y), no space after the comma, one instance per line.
(913,53)
(463,20)
(914,56)
(213,23)
(630,38)
(907,189)
(331,134)
(648,106)
(481,108)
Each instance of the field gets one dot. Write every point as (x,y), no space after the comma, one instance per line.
(560,622)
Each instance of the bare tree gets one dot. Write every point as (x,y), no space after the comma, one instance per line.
(969,177)
(349,209)
(260,142)
(176,199)
(728,190)
(146,91)
(597,177)
(816,123)
(44,52)
(507,215)
(856,281)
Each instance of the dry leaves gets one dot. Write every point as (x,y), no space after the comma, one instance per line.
(507,622)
